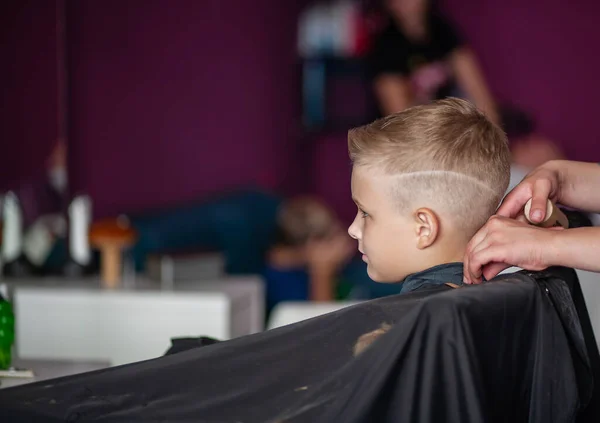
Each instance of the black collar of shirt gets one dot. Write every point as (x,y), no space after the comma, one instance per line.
(436,275)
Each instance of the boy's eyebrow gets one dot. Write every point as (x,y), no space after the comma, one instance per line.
(356,201)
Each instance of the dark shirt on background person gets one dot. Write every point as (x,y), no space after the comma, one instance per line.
(425,63)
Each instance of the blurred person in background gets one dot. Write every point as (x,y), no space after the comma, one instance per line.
(309,251)
(296,243)
(419,56)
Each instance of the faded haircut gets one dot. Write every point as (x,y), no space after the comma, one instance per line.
(445,155)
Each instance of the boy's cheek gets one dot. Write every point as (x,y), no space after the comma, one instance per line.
(371,273)
(372,269)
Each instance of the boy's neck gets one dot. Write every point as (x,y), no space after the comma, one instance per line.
(451,250)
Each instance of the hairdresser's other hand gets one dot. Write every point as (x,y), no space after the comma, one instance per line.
(503,242)
(329,254)
(540,185)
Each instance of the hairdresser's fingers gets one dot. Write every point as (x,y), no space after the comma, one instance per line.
(478,237)
(493,269)
(495,224)
(490,254)
(466,277)
(471,269)
(539,199)
(476,243)
(521,218)
(513,203)
(495,232)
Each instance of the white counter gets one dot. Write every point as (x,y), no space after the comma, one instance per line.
(78,320)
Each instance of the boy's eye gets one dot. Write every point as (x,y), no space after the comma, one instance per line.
(364,213)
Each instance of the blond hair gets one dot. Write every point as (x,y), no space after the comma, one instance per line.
(447,155)
(303,218)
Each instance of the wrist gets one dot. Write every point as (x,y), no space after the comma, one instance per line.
(321,269)
(553,249)
(321,283)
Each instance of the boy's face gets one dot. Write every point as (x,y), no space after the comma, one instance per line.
(386,237)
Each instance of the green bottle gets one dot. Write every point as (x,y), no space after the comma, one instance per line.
(7,333)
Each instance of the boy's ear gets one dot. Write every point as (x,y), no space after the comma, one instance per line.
(427,227)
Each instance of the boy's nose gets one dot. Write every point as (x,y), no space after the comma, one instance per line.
(354,230)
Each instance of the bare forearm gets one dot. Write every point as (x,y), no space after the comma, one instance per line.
(393,93)
(578,248)
(321,284)
(579,184)
(471,79)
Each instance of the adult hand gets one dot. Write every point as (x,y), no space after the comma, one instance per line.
(329,254)
(505,242)
(540,185)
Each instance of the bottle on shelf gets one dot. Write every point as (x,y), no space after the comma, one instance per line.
(79,252)
(7,333)
(14,262)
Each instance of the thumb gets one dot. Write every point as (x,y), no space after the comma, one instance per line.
(539,200)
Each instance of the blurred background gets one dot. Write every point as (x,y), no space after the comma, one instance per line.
(187,145)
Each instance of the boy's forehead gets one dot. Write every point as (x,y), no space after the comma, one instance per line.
(359,181)
(367,184)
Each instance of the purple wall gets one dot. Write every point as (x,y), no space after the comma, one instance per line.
(541,55)
(171,101)
(28,113)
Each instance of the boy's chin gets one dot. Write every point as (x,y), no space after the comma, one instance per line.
(380,278)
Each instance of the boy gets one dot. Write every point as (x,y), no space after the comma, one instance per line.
(425,180)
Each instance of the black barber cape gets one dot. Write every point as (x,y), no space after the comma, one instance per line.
(516,350)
